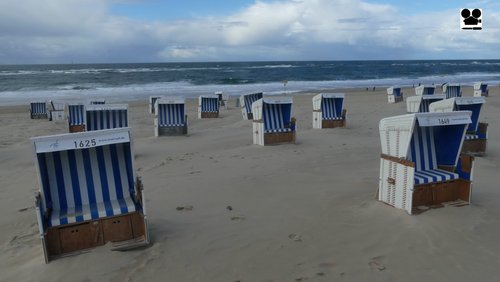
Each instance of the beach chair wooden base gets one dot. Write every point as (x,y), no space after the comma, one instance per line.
(172,130)
(76,128)
(66,239)
(280,137)
(209,115)
(475,147)
(433,194)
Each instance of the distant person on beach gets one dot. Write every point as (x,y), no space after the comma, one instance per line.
(374,88)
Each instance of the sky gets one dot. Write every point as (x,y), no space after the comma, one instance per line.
(129,31)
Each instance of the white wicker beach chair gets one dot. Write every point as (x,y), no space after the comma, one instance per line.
(38,110)
(424,90)
(170,117)
(477,132)
(208,106)
(89,194)
(481,89)
(99,117)
(328,110)
(420,104)
(152,101)
(76,117)
(394,95)
(421,164)
(452,90)
(272,121)
(246,102)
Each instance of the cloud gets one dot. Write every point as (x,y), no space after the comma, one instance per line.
(52,31)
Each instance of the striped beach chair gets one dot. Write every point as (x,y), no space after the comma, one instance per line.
(421,164)
(76,117)
(452,90)
(223,99)
(99,117)
(272,121)
(328,110)
(394,95)
(481,89)
(88,194)
(97,102)
(420,104)
(152,101)
(170,117)
(246,102)
(38,110)
(477,132)
(424,90)
(208,106)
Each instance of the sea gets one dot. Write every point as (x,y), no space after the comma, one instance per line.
(20,84)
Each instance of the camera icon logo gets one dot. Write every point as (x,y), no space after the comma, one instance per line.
(471,19)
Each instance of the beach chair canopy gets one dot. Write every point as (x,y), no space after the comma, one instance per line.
(86,175)
(100,117)
(276,114)
(247,100)
(209,103)
(170,111)
(38,108)
(452,90)
(76,114)
(396,91)
(472,104)
(428,139)
(420,104)
(330,105)
(424,90)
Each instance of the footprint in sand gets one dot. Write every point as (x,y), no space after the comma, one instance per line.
(238,217)
(295,237)
(184,208)
(375,264)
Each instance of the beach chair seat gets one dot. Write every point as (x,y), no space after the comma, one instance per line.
(421,163)
(107,116)
(394,94)
(89,194)
(38,110)
(272,121)
(328,110)
(452,90)
(208,106)
(170,117)
(246,102)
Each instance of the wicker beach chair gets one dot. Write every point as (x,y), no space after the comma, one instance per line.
(272,121)
(421,164)
(452,90)
(56,111)
(424,90)
(420,104)
(246,102)
(76,117)
(328,110)
(152,101)
(481,89)
(208,106)
(477,132)
(89,194)
(394,95)
(99,117)
(38,110)
(170,117)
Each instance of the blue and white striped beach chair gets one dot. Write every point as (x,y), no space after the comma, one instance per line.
(208,106)
(76,117)
(170,117)
(420,104)
(38,110)
(452,90)
(394,94)
(272,121)
(56,111)
(477,132)
(89,194)
(99,117)
(421,164)
(328,110)
(424,90)
(246,102)
(481,89)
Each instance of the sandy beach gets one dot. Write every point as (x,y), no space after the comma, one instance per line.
(299,212)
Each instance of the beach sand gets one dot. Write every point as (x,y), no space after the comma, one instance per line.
(300,212)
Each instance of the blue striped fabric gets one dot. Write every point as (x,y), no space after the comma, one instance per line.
(483,88)
(38,108)
(92,183)
(76,114)
(428,91)
(210,105)
(476,111)
(453,91)
(397,92)
(274,118)
(424,104)
(331,108)
(171,115)
(106,119)
(423,154)
(250,99)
